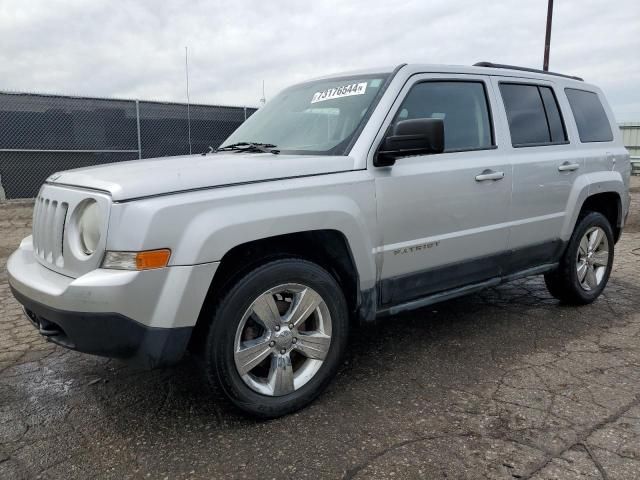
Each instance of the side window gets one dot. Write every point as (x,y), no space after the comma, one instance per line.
(461,105)
(556,125)
(591,119)
(533,115)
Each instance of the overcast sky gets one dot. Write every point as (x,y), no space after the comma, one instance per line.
(135,49)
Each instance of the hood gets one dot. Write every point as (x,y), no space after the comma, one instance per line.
(157,176)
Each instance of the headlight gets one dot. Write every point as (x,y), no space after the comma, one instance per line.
(89,226)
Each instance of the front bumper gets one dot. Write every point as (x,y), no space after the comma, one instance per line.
(107,334)
(146,316)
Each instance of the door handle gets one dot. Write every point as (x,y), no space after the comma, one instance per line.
(489,175)
(568,167)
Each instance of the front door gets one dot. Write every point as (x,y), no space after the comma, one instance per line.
(443,216)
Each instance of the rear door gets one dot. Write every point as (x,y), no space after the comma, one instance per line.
(545,166)
(442,216)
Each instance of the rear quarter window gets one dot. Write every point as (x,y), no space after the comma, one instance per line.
(591,119)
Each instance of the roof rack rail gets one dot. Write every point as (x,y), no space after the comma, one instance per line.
(524,69)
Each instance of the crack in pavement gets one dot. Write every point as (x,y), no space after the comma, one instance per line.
(353,472)
(600,468)
(583,436)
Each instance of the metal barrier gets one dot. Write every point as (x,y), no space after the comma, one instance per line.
(43,134)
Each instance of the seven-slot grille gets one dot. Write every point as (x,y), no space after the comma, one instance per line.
(48,229)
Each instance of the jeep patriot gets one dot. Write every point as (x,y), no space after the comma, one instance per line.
(344,199)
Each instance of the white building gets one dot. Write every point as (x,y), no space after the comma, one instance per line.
(631,137)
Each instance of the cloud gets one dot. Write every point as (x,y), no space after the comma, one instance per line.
(136,49)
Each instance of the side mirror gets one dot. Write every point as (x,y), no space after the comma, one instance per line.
(417,136)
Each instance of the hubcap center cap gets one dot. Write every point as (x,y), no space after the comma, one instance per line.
(283,338)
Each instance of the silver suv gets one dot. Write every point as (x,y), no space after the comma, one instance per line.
(346,198)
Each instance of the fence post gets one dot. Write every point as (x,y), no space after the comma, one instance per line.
(3,196)
(138,127)
(245,113)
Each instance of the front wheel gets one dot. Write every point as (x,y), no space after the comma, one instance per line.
(277,337)
(585,266)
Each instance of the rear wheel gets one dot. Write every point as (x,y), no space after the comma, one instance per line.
(277,337)
(585,266)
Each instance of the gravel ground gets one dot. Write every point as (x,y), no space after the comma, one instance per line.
(504,384)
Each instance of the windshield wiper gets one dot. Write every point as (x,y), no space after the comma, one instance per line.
(250,147)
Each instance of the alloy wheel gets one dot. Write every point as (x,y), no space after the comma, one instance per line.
(592,258)
(282,339)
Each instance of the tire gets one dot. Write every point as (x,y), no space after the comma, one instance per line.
(579,287)
(301,361)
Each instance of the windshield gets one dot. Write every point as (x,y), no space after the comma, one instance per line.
(319,117)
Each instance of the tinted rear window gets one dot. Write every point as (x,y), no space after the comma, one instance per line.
(591,119)
(527,121)
(533,115)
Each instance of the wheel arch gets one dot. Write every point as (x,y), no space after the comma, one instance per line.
(600,192)
(329,248)
(608,204)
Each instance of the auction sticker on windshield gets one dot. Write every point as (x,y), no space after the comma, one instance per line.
(339,92)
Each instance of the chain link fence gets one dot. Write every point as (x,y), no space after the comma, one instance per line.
(44,134)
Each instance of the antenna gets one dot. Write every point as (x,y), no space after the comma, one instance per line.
(263,100)
(186,69)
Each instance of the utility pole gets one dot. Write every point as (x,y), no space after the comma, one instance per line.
(547,37)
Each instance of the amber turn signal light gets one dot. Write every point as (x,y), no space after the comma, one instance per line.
(152,259)
(146,260)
